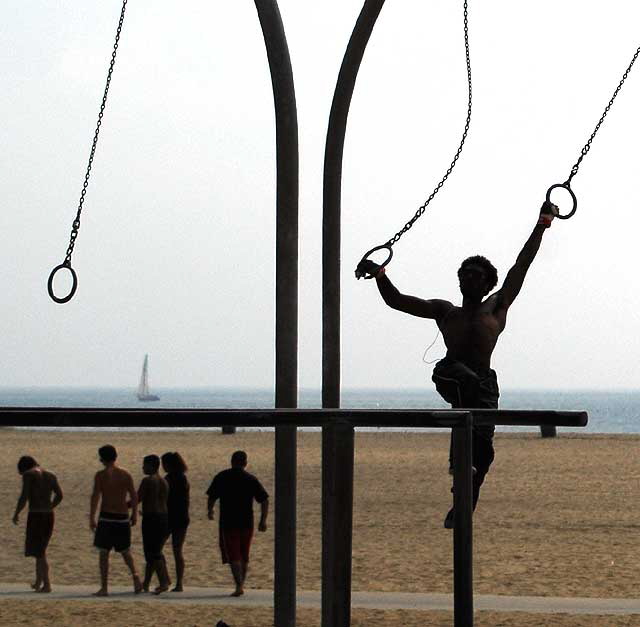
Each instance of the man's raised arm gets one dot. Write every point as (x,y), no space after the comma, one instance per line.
(433,308)
(515,277)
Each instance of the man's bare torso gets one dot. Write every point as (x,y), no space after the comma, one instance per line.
(153,493)
(39,485)
(471,334)
(114,484)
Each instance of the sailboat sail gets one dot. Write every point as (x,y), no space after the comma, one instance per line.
(143,387)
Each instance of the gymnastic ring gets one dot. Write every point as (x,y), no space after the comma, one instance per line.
(566,186)
(362,274)
(74,285)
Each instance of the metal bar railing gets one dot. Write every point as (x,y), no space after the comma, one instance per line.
(179,418)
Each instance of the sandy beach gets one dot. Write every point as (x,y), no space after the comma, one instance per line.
(557,517)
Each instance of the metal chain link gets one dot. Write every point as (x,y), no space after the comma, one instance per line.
(76,222)
(587,146)
(423,208)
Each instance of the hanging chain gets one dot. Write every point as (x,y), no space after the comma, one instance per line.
(423,208)
(587,146)
(76,222)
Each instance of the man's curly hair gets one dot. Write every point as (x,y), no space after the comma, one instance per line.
(486,265)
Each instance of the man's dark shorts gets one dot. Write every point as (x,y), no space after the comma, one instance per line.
(113,532)
(39,530)
(462,386)
(155,531)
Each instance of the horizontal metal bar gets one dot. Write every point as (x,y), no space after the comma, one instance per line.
(529,417)
(180,418)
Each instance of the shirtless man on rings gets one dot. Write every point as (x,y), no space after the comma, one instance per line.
(464,377)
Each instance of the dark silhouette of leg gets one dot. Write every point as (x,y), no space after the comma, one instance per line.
(237,572)
(148,574)
(163,575)
(42,570)
(177,541)
(128,560)
(104,574)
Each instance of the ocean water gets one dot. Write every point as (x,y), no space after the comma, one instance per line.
(609,412)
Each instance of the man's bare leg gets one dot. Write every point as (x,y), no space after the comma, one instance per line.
(104,574)
(128,560)
(37,584)
(148,574)
(163,576)
(245,568)
(42,568)
(236,571)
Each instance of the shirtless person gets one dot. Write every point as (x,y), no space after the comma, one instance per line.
(153,494)
(38,485)
(114,491)
(464,377)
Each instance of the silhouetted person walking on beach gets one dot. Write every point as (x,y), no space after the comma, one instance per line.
(178,509)
(114,491)
(152,495)
(237,489)
(464,377)
(38,486)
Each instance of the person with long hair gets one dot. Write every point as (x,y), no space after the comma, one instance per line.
(178,509)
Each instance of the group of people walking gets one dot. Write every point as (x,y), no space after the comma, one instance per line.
(164,505)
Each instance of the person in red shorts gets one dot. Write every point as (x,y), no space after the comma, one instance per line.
(38,485)
(237,489)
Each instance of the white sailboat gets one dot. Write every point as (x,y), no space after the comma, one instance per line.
(143,387)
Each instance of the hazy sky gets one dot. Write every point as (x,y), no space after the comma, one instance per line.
(175,255)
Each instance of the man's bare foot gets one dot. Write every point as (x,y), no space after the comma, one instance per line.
(161,589)
(238,592)
(103,592)
(35,586)
(44,589)
(177,588)
(137,585)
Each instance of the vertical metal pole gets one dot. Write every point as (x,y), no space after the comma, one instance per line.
(463,524)
(286,307)
(337,493)
(337,443)
(548,431)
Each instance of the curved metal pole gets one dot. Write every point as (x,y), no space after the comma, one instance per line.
(286,366)
(331,201)
(337,442)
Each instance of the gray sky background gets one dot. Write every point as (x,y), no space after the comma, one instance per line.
(175,255)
